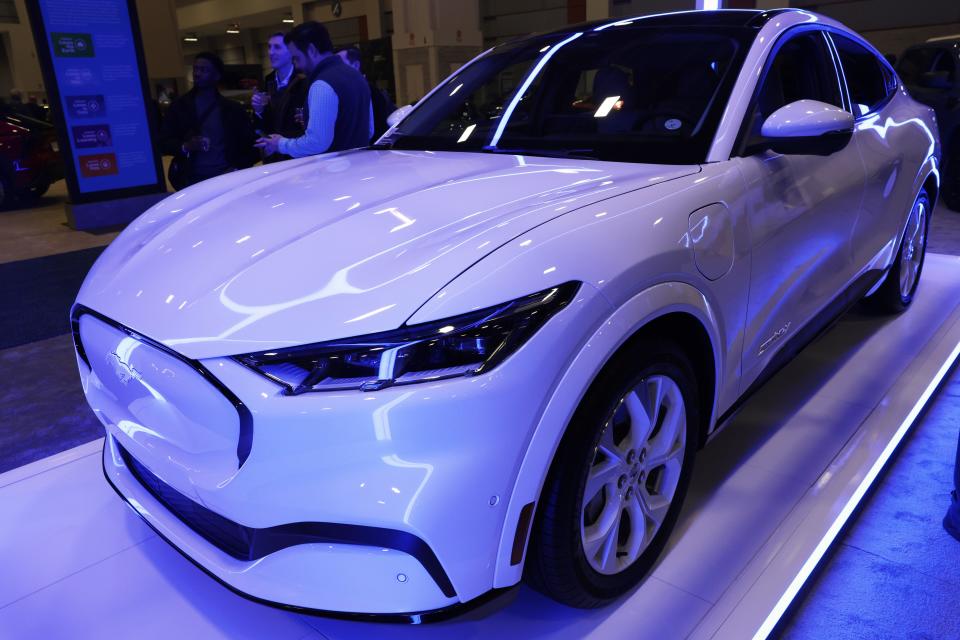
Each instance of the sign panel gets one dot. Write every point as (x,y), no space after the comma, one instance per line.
(94,70)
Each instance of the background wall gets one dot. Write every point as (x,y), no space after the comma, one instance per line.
(422,41)
(892,25)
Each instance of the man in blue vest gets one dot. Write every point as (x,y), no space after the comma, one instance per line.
(338,113)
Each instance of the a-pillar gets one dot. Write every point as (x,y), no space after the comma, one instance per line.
(431,40)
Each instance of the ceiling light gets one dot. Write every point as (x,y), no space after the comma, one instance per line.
(288,20)
(191,38)
(233,29)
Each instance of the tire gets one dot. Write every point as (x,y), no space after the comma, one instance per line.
(897,291)
(950,187)
(564,559)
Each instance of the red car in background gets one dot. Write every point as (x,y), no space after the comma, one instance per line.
(29,157)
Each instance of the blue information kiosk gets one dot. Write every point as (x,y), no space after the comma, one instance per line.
(93,66)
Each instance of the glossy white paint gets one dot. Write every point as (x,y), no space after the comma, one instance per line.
(359,242)
(331,246)
(806,118)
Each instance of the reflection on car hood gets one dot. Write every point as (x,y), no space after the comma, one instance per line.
(331,246)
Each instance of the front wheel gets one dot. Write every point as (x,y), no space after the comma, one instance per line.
(615,488)
(897,291)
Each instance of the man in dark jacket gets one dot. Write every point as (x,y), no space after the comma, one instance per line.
(382,105)
(338,113)
(284,93)
(207,134)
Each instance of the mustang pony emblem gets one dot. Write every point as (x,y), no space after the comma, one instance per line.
(124,371)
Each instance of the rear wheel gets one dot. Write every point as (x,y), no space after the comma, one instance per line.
(619,478)
(897,291)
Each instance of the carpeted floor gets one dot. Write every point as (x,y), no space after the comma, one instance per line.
(39,293)
(896,574)
(42,408)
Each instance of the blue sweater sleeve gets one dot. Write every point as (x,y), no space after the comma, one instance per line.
(318,137)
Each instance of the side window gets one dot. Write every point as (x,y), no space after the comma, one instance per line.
(802,69)
(868,79)
(946,64)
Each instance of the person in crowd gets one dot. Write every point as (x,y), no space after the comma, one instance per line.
(338,112)
(283,97)
(207,134)
(383,106)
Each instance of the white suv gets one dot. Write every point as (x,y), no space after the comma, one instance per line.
(392,380)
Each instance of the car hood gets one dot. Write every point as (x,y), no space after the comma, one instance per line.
(331,246)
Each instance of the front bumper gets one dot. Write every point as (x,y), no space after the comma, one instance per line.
(428,468)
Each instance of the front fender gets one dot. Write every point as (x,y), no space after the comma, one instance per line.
(610,335)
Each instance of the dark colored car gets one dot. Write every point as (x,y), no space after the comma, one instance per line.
(29,157)
(931,72)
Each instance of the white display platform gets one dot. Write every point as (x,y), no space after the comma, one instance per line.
(75,562)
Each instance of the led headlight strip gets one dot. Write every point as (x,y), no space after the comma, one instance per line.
(783,604)
(464,345)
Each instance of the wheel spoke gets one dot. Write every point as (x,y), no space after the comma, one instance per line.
(674,454)
(601,474)
(640,527)
(674,426)
(655,508)
(595,535)
(608,552)
(641,422)
(608,447)
(669,472)
(653,397)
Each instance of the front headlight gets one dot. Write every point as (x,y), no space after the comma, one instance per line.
(465,345)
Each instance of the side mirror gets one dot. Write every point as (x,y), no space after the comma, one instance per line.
(936,80)
(808,127)
(397,116)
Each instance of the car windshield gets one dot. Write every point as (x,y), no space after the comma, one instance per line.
(627,93)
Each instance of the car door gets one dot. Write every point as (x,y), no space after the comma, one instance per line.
(801,208)
(893,144)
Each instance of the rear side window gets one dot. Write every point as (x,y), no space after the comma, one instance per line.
(868,79)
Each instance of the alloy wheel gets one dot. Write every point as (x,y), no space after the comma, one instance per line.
(914,242)
(634,476)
